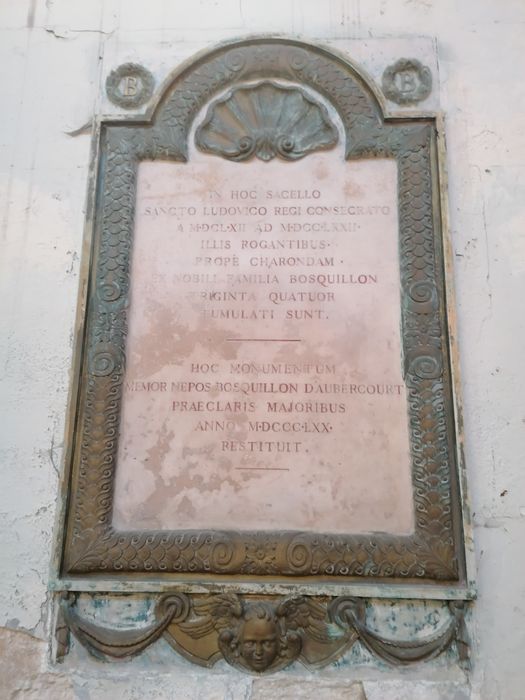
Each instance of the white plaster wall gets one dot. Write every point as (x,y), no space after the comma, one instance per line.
(51,66)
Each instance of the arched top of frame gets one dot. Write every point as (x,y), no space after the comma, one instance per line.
(343,84)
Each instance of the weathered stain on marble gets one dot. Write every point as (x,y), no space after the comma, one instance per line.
(218,238)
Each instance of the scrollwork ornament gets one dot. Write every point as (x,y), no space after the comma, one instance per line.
(427,365)
(176,606)
(298,59)
(222,552)
(299,555)
(235,60)
(104,360)
(423,297)
(109,291)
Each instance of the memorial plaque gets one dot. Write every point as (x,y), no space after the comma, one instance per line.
(266,381)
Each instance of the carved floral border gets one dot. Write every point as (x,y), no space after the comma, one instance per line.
(435,551)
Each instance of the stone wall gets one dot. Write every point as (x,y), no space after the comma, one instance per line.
(54,55)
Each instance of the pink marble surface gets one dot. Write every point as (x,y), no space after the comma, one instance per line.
(263,387)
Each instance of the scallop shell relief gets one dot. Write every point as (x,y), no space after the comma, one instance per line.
(266,120)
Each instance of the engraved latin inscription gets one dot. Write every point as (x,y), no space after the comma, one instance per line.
(263,385)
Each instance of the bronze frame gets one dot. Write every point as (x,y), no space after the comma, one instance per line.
(435,555)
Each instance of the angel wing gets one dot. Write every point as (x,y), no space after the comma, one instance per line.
(216,612)
(304,613)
